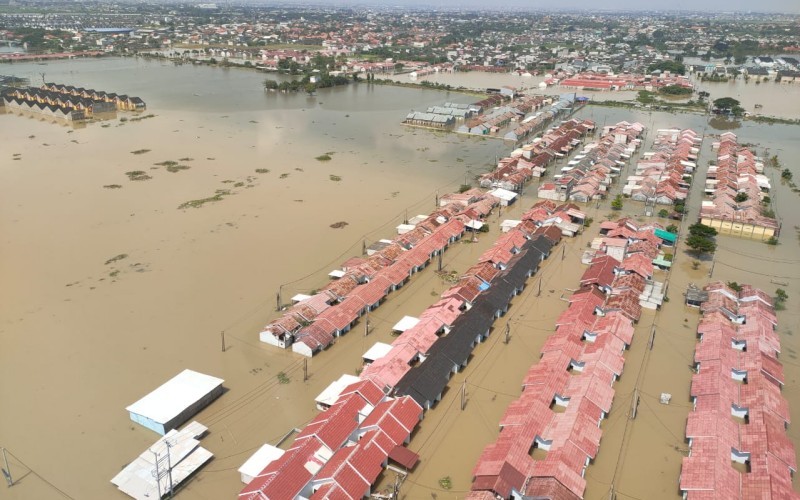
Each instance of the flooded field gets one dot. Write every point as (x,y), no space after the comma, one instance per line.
(109,291)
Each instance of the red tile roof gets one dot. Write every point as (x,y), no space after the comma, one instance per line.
(600,271)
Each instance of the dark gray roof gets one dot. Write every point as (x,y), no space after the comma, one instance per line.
(425,382)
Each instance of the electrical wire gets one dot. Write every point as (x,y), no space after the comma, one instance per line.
(42,478)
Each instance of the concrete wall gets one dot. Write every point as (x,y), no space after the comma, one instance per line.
(740,229)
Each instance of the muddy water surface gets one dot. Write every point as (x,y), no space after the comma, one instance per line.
(85,334)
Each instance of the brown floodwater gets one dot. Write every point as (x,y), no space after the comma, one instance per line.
(83,337)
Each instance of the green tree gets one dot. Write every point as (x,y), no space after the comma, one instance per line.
(700,244)
(698,229)
(675,90)
(673,67)
(663,213)
(741,197)
(728,105)
(672,228)
(616,203)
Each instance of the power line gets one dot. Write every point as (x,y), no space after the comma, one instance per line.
(56,488)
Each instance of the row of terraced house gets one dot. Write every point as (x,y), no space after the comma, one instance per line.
(664,176)
(738,445)
(342,452)
(79,107)
(551,433)
(737,187)
(532,160)
(121,101)
(313,322)
(590,173)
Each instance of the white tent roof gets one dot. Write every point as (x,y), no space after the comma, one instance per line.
(503,194)
(174,396)
(406,323)
(260,459)
(404,228)
(331,393)
(510,223)
(300,297)
(377,351)
(336,273)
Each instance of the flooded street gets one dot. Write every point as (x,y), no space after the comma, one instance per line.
(84,335)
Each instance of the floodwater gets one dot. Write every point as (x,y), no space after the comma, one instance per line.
(776,99)
(84,337)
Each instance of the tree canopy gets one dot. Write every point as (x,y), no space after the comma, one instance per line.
(700,244)
(698,229)
(673,67)
(728,104)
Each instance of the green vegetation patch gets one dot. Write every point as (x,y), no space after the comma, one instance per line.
(116,258)
(335,178)
(140,151)
(113,186)
(137,175)
(177,168)
(325,157)
(262,170)
(202,201)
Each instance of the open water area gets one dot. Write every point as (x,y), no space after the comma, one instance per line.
(84,335)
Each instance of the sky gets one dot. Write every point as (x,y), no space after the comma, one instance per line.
(784,6)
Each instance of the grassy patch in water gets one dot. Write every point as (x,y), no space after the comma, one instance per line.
(140,151)
(325,157)
(116,258)
(137,175)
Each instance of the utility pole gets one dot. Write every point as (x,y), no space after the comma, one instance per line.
(464,395)
(634,404)
(156,473)
(396,487)
(366,324)
(437,199)
(508,333)
(440,261)
(539,290)
(363,247)
(652,338)
(7,470)
(278,300)
(713,261)
(223,340)
(305,369)
(563,252)
(169,469)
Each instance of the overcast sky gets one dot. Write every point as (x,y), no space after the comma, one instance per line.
(786,6)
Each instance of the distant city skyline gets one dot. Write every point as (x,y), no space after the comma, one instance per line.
(776,6)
